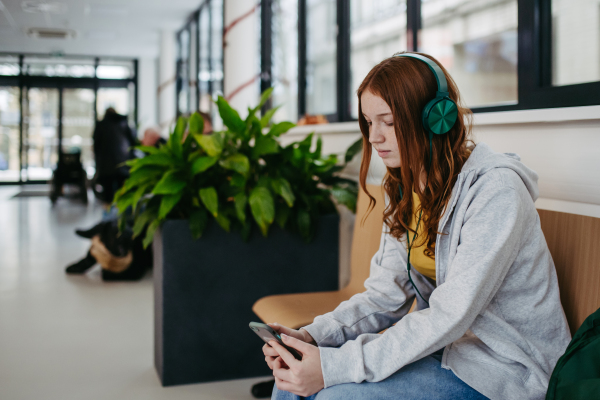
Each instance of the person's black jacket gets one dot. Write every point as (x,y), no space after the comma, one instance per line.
(113,139)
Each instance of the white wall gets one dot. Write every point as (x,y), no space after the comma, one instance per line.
(147,81)
(166,81)
(562,145)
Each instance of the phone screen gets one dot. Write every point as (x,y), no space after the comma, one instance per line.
(266,333)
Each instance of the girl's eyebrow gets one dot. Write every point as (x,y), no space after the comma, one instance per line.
(384,114)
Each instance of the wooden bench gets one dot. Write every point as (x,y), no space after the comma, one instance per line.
(573,240)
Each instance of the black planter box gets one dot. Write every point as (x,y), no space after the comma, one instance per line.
(204,291)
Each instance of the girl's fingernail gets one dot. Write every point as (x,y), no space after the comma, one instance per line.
(283,335)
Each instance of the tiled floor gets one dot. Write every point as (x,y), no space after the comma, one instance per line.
(74,337)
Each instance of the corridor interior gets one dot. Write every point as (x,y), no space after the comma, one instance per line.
(75,337)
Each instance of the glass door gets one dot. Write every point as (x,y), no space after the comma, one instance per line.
(78,125)
(9,134)
(40,133)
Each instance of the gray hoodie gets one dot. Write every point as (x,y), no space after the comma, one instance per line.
(494,308)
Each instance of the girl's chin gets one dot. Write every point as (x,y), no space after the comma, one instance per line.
(391,163)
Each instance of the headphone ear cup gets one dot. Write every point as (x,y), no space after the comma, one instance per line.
(439,115)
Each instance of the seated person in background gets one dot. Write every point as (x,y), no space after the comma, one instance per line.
(121,256)
(461,236)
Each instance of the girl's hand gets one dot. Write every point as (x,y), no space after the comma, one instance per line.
(303,378)
(271,354)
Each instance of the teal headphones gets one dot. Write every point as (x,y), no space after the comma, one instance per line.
(439,116)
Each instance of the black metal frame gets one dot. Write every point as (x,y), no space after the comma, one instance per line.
(195,18)
(535,89)
(24,81)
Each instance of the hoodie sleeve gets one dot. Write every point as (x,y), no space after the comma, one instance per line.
(489,242)
(388,298)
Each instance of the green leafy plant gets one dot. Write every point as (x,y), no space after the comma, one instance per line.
(238,176)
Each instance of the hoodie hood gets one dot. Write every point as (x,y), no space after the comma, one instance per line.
(483,159)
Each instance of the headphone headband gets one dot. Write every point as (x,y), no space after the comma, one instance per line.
(440,78)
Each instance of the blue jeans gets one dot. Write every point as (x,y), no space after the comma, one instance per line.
(422,380)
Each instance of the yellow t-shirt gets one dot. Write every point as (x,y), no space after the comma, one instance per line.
(418,259)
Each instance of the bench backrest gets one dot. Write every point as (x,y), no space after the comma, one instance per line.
(367,236)
(574,242)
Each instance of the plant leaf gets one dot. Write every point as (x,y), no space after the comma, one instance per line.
(304,223)
(262,207)
(264,145)
(283,188)
(148,149)
(230,117)
(196,125)
(353,150)
(281,128)
(210,199)
(150,232)
(345,196)
(210,144)
(202,164)
(167,203)
(266,119)
(224,222)
(198,220)
(240,201)
(170,183)
(238,180)
(237,162)
(177,137)
(160,159)
(282,214)
(142,220)
(264,98)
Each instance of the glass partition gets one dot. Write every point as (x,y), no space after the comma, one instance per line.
(59,67)
(285,59)
(576,41)
(78,125)
(476,40)
(321,45)
(40,134)
(377,31)
(9,134)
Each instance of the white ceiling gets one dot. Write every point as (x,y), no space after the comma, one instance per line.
(129,28)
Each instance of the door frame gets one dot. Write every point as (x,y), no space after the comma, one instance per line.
(24,82)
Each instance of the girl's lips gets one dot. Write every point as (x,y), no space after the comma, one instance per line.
(383,152)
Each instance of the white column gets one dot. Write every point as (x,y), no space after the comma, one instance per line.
(166,85)
(147,81)
(242,59)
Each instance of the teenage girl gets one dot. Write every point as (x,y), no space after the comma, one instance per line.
(461,236)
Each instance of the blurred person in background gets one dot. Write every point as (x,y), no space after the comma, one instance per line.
(121,256)
(113,140)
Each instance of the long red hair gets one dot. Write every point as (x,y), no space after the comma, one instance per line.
(407,85)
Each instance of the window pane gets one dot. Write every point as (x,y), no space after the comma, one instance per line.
(285,59)
(575,41)
(183,71)
(216,55)
(204,68)
(9,134)
(377,31)
(321,44)
(9,65)
(40,139)
(117,98)
(78,125)
(476,40)
(63,67)
(115,69)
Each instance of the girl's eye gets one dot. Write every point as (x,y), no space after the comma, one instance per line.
(369,123)
(389,123)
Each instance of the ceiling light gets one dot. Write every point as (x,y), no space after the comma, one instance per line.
(44,7)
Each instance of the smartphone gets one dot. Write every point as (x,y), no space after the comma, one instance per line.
(266,333)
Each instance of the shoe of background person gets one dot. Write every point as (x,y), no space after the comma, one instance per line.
(82,265)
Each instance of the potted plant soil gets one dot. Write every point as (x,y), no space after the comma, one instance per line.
(233,217)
